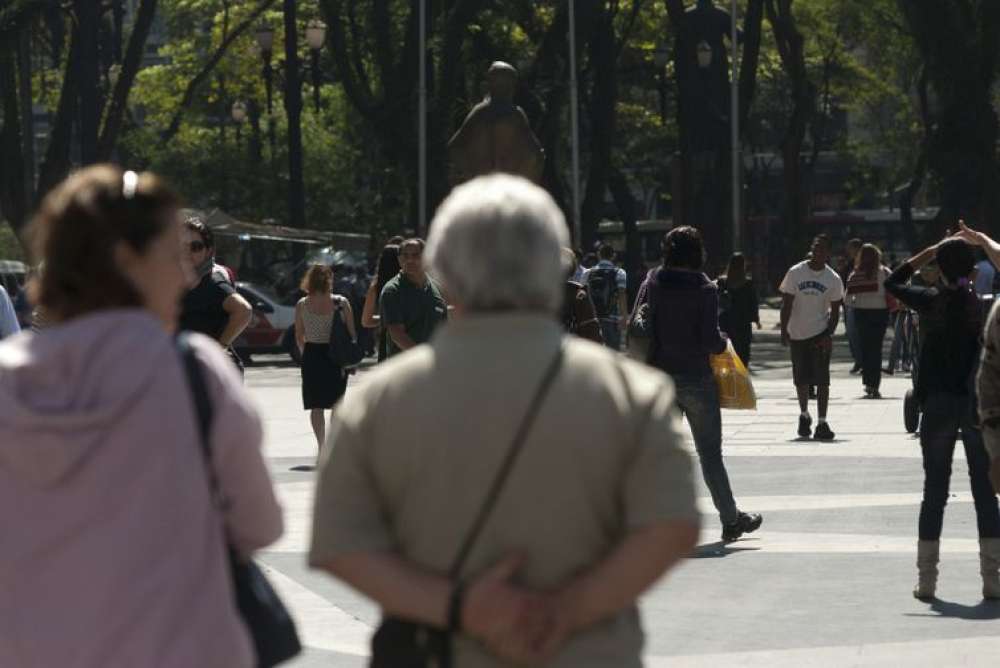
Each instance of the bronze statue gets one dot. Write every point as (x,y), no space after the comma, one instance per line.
(703,76)
(496,135)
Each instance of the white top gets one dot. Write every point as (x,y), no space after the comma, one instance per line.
(814,292)
(868,294)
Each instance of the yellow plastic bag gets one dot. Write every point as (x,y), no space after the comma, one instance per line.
(733,379)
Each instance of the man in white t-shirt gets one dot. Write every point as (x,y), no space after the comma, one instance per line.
(812,294)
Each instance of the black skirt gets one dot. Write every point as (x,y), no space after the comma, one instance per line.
(323,382)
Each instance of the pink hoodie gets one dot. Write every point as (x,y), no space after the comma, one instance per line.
(111,551)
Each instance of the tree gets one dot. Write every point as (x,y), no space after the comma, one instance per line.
(957,43)
(90,105)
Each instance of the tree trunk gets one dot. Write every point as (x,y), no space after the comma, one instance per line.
(13,204)
(27,113)
(88,77)
(117,107)
(791,49)
(603,101)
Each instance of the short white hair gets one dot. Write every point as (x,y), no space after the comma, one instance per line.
(495,245)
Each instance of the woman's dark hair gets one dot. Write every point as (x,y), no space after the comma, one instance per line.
(387,267)
(868,260)
(77,228)
(196,224)
(736,270)
(318,280)
(683,247)
(955,259)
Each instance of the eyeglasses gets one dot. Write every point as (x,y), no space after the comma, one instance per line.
(197,246)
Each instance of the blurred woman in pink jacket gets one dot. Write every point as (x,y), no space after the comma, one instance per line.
(113,552)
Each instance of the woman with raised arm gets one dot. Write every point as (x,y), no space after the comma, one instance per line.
(950,328)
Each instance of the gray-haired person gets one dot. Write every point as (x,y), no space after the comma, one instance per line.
(598,504)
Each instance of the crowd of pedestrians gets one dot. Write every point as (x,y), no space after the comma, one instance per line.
(101,410)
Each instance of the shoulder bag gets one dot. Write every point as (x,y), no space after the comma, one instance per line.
(271,628)
(400,643)
(343,350)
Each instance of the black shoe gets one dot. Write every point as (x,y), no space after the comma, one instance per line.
(856,369)
(888,371)
(823,432)
(805,426)
(745,523)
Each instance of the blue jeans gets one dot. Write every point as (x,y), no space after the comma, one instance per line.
(612,333)
(944,414)
(698,399)
(851,326)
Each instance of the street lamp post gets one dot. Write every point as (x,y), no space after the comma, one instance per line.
(239,114)
(734,111)
(574,115)
(265,40)
(316,37)
(293,109)
(422,122)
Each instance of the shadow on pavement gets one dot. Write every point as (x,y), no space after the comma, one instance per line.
(303,468)
(720,549)
(982,611)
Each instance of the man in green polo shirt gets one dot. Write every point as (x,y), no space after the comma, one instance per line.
(411,303)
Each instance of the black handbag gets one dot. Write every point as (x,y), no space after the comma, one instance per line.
(343,351)
(400,643)
(271,628)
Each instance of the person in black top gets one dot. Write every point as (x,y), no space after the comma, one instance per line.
(738,306)
(212,307)
(950,326)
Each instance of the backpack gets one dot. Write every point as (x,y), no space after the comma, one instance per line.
(603,285)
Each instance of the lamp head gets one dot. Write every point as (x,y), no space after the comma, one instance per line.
(316,34)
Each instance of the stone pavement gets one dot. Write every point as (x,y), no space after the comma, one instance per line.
(825,582)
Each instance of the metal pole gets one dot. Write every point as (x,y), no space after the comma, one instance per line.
(574,115)
(422,123)
(734,112)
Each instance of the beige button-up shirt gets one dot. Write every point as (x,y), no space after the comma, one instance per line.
(411,453)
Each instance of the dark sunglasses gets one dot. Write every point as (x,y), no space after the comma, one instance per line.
(197,246)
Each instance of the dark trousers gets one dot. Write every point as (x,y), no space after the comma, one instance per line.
(871,324)
(943,415)
(741,335)
(612,333)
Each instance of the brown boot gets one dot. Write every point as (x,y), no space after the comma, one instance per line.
(928,555)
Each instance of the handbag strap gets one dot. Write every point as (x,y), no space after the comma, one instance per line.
(202,406)
(515,448)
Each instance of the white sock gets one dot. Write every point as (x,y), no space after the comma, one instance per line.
(822,421)
(806,415)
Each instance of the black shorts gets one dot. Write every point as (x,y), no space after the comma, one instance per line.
(810,362)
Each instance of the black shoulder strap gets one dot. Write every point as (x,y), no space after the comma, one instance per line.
(202,403)
(508,463)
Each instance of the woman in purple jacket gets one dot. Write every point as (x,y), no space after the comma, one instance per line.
(683,306)
(114,552)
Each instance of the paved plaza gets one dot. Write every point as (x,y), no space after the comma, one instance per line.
(825,582)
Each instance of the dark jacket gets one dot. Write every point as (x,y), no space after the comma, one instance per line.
(685,312)
(950,326)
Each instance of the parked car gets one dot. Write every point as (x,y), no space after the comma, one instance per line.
(272,328)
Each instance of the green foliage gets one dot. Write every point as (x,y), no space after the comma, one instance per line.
(10,247)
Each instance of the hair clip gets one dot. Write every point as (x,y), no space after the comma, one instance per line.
(130,183)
